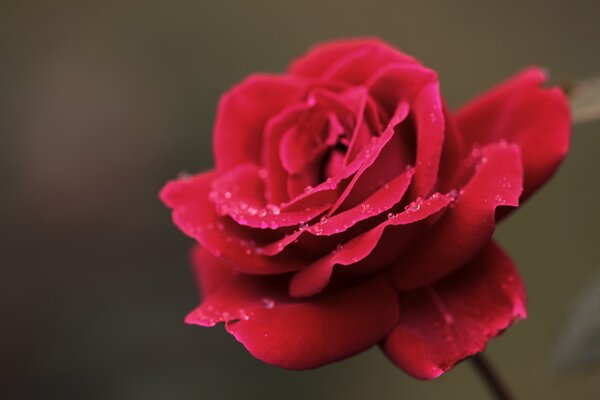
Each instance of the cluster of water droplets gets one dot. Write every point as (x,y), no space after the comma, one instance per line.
(210,315)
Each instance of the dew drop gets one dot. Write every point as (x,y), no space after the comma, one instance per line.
(273,209)
(184,175)
(267,302)
(243,315)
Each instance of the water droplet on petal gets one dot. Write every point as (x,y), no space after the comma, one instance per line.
(273,209)
(267,302)
(184,175)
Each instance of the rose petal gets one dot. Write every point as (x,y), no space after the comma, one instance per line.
(522,112)
(392,161)
(298,334)
(195,215)
(453,319)
(211,272)
(329,190)
(239,193)
(419,86)
(454,153)
(371,154)
(381,201)
(243,113)
(314,278)
(276,176)
(465,228)
(345,56)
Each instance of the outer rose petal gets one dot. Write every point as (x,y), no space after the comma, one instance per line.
(453,319)
(296,334)
(464,229)
(341,57)
(522,112)
(243,113)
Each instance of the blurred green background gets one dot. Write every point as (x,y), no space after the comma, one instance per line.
(102,102)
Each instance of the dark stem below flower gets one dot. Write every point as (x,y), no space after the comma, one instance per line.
(491,378)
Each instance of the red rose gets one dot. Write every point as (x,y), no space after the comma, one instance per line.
(348,207)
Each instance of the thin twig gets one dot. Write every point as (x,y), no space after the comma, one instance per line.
(491,378)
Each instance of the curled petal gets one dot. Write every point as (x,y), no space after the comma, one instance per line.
(243,113)
(329,189)
(196,216)
(419,86)
(522,112)
(352,60)
(469,224)
(240,194)
(444,323)
(297,334)
(314,278)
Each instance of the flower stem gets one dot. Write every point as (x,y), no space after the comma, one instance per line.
(491,378)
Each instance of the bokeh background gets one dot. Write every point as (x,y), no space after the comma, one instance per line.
(102,102)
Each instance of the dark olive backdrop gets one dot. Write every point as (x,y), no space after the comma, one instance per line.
(101,103)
